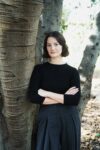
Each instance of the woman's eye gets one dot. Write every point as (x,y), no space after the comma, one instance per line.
(56,44)
(48,45)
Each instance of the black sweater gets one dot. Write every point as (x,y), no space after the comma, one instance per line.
(54,78)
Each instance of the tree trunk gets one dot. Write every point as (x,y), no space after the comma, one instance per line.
(87,66)
(18,23)
(3,134)
(50,20)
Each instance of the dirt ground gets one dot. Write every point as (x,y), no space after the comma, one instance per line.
(90,131)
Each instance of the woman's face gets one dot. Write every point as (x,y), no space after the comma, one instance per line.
(54,49)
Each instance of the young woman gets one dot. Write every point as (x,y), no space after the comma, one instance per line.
(56,87)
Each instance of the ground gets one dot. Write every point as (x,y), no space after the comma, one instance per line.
(90,139)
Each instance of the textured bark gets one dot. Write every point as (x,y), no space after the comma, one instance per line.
(87,66)
(50,20)
(18,29)
(3,127)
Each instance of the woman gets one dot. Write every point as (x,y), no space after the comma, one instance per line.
(56,87)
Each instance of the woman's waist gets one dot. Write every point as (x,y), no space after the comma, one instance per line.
(58,107)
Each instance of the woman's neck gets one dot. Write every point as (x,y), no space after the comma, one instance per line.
(57,60)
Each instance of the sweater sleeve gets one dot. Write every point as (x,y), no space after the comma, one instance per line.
(34,85)
(75,81)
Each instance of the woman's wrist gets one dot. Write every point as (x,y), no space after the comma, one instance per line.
(48,94)
(48,101)
(43,93)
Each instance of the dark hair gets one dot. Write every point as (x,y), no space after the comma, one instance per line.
(60,39)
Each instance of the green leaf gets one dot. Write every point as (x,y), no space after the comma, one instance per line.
(97,134)
(93,1)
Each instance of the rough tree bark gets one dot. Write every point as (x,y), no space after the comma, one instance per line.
(87,66)
(3,133)
(18,29)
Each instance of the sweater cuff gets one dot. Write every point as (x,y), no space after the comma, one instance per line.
(41,99)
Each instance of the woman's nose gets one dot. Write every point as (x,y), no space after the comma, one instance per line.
(52,47)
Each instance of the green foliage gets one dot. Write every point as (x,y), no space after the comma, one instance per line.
(64,20)
(98,135)
(93,1)
(64,25)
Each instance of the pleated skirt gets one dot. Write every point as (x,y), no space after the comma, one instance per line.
(58,128)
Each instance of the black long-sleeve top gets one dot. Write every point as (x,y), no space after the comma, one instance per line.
(55,78)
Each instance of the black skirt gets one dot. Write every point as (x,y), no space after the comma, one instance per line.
(58,128)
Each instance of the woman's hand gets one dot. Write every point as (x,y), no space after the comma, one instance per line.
(43,93)
(72,91)
(49,101)
(54,98)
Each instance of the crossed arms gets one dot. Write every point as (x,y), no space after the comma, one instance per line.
(54,98)
(41,96)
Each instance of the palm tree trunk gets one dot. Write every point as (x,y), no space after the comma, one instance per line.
(18,23)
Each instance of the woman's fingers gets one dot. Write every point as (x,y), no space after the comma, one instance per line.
(49,101)
(71,88)
(41,92)
(72,91)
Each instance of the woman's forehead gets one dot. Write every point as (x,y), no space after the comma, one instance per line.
(51,39)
